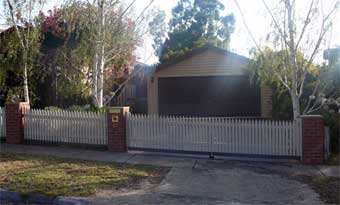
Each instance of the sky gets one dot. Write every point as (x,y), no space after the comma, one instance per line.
(256,17)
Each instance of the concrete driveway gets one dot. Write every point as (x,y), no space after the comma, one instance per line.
(235,184)
(218,182)
(204,181)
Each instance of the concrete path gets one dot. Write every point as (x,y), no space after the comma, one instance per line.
(198,180)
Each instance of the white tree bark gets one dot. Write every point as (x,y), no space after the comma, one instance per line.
(101,78)
(294,75)
(295,104)
(26,92)
(292,60)
(95,78)
(25,44)
(101,53)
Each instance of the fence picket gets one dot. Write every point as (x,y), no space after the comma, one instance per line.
(65,126)
(256,130)
(290,139)
(284,139)
(219,135)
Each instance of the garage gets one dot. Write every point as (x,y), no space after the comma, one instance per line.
(208,96)
(207,82)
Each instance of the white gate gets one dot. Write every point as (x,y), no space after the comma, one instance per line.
(65,126)
(241,136)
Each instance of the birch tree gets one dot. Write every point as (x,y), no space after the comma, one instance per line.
(109,19)
(299,42)
(20,15)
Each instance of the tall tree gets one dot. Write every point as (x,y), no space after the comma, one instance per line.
(158,28)
(116,30)
(330,76)
(297,39)
(67,49)
(80,53)
(196,22)
(10,61)
(20,15)
(110,17)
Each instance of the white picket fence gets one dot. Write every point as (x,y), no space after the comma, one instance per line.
(216,135)
(66,127)
(2,122)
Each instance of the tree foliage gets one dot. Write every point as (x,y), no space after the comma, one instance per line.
(71,46)
(331,73)
(321,83)
(158,28)
(12,71)
(297,42)
(10,60)
(65,60)
(194,23)
(269,67)
(20,15)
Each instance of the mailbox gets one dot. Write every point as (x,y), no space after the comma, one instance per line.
(115,119)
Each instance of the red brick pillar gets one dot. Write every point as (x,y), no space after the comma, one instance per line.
(15,122)
(313,135)
(116,128)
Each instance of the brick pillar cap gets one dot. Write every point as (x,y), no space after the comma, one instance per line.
(311,116)
(117,109)
(17,103)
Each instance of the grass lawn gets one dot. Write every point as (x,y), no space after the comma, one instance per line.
(328,188)
(65,177)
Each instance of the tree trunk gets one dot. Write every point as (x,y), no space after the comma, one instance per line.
(295,104)
(26,92)
(95,78)
(101,62)
(292,61)
(101,78)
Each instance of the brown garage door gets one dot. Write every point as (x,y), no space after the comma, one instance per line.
(209,96)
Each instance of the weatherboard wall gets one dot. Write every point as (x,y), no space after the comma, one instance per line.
(207,63)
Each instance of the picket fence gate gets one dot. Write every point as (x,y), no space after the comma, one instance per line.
(2,122)
(240,136)
(62,126)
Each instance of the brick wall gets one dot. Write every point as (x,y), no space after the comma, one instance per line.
(14,122)
(116,129)
(266,101)
(313,135)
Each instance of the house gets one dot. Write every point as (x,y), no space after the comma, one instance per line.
(207,81)
(134,92)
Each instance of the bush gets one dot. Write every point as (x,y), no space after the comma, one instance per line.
(87,108)
(54,108)
(332,121)
(76,108)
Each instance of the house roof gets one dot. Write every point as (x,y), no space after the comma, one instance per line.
(196,51)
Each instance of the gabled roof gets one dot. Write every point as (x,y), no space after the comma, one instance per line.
(199,50)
